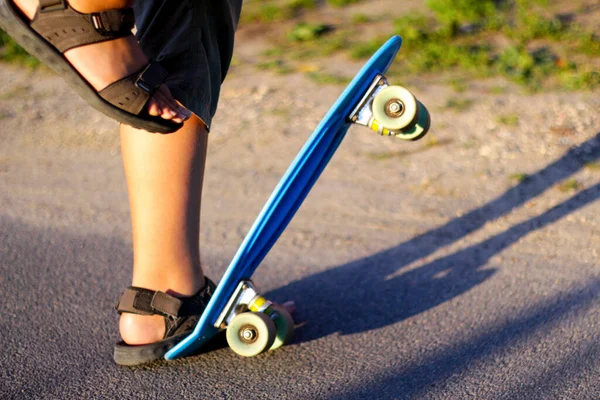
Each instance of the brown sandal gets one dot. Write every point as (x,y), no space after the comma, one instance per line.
(181,316)
(57,27)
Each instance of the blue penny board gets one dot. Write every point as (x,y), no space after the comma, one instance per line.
(287,197)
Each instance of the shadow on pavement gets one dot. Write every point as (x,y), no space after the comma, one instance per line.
(360,288)
(416,380)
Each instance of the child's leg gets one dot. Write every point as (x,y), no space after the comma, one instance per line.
(164,178)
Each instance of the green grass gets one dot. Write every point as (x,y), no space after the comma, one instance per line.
(593,166)
(519,177)
(482,38)
(570,185)
(360,18)
(277,65)
(508,119)
(10,51)
(281,10)
(324,78)
(458,85)
(458,103)
(342,3)
(304,32)
(516,39)
(537,51)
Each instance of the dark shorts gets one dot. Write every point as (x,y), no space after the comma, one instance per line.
(193,40)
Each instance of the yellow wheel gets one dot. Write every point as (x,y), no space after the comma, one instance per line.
(285,327)
(250,333)
(395,108)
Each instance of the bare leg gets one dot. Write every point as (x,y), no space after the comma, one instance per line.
(104,63)
(164,177)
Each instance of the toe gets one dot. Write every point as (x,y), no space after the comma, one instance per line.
(154,109)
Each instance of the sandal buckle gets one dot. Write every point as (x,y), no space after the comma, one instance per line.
(113,22)
(96,20)
(150,79)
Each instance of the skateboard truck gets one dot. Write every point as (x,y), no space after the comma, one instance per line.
(244,298)
(363,113)
(391,111)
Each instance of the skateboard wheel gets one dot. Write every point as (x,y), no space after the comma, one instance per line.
(285,327)
(395,108)
(419,129)
(250,333)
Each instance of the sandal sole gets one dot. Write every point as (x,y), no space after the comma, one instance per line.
(128,355)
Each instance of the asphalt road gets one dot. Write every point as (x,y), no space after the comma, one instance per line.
(403,291)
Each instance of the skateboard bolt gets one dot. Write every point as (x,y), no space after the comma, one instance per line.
(248,334)
(394,108)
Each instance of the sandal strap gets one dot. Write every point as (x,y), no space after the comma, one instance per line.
(132,93)
(66,28)
(136,300)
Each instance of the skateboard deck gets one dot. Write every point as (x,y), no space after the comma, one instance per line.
(234,293)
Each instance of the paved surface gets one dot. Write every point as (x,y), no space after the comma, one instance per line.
(421,270)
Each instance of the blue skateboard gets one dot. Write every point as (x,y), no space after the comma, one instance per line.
(254,324)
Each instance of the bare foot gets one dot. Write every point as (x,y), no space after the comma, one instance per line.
(106,62)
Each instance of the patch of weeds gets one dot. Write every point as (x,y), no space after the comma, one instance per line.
(333,43)
(280,111)
(530,25)
(587,43)
(452,14)
(273,10)
(413,28)
(519,177)
(304,32)
(264,12)
(366,49)
(592,166)
(515,39)
(342,3)
(458,85)
(360,18)
(277,65)
(10,51)
(508,119)
(498,89)
(324,78)
(301,4)
(585,80)
(458,103)
(525,67)
(570,185)
(274,52)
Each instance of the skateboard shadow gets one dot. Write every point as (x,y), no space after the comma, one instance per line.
(380,290)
